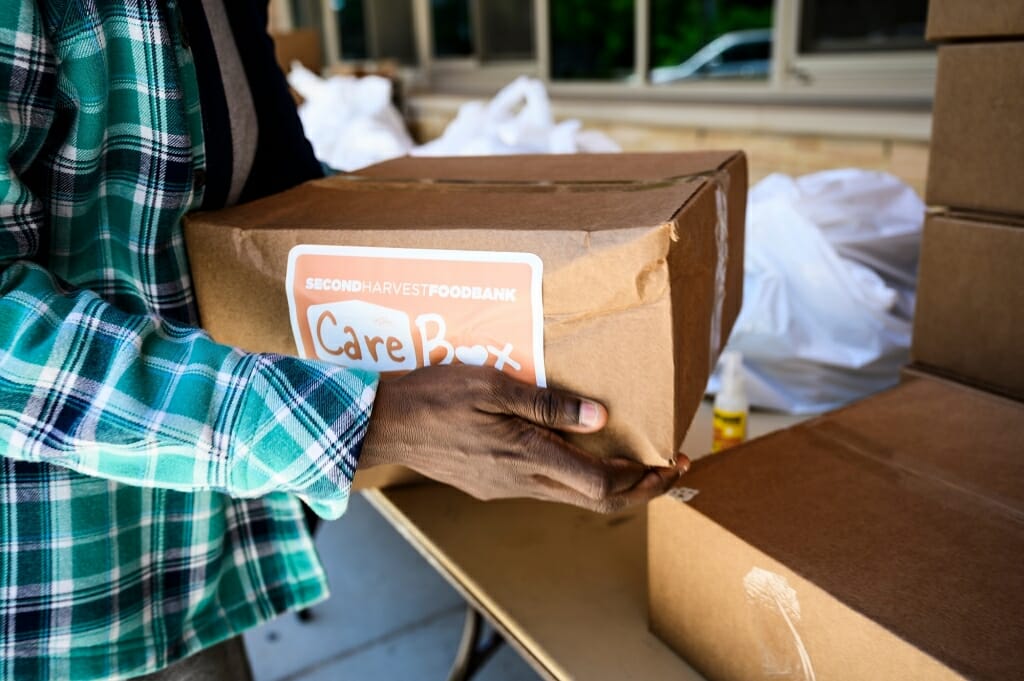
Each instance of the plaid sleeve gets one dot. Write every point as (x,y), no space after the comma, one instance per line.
(133,398)
(146,402)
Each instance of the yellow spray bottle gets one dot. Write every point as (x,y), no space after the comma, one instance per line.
(730,408)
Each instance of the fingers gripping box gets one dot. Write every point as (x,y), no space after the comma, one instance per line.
(615,276)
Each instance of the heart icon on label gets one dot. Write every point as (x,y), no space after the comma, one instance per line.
(476,354)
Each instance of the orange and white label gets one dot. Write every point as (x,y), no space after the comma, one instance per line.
(396,309)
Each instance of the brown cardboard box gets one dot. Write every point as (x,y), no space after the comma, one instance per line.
(881,541)
(976,161)
(300,44)
(628,244)
(969,318)
(973,19)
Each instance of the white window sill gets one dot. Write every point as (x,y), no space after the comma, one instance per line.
(911,124)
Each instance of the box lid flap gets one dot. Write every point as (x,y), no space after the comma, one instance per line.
(907,507)
(560,192)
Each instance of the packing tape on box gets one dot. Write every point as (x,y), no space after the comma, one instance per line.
(718,178)
(775,614)
(721,182)
(721,176)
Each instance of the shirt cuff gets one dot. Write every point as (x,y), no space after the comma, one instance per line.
(300,429)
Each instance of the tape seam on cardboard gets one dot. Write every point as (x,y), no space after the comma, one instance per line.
(532,185)
(721,182)
(771,597)
(852,441)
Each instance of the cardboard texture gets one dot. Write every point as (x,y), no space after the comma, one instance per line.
(976,160)
(302,45)
(881,541)
(974,19)
(566,587)
(968,323)
(628,244)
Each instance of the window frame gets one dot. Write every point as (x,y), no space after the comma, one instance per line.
(902,79)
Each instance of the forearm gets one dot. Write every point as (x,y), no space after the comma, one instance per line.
(144,402)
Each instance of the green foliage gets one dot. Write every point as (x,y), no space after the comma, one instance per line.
(592,39)
(681,27)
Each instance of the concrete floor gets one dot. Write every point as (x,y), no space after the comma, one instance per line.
(390,616)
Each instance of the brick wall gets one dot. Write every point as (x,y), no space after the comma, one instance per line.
(767,152)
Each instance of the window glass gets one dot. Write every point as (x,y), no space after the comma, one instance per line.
(376,30)
(747,52)
(453,33)
(392,30)
(838,26)
(702,39)
(592,39)
(305,13)
(506,29)
(352,29)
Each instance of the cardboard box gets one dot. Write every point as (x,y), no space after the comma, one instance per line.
(977,150)
(630,249)
(881,541)
(974,19)
(302,45)
(968,322)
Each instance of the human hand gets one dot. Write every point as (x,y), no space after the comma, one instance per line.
(491,436)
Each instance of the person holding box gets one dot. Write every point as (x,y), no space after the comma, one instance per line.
(151,477)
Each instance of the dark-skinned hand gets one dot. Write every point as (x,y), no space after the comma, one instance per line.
(493,437)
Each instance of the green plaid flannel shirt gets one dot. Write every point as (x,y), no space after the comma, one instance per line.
(150,476)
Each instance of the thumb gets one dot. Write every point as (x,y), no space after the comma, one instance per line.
(557,409)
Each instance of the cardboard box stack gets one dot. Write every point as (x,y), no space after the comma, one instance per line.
(886,540)
(969,325)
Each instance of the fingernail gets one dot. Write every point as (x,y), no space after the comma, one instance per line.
(589,414)
(683,463)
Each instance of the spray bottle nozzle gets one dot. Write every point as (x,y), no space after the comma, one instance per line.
(732,372)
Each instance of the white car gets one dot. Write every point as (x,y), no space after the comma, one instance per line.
(737,54)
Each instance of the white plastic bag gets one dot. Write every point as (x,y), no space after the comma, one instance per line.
(350,122)
(831,263)
(517,121)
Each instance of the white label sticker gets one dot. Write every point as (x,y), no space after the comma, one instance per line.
(395,309)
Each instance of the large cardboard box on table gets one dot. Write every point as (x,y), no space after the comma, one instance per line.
(976,160)
(642,260)
(969,316)
(881,541)
(974,19)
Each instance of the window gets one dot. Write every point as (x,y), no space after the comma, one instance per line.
(484,30)
(721,50)
(506,30)
(700,39)
(592,40)
(857,49)
(375,30)
(844,26)
(352,30)
(452,32)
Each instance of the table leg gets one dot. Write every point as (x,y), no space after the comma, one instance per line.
(473,653)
